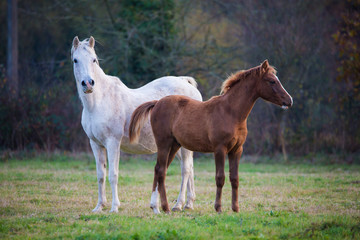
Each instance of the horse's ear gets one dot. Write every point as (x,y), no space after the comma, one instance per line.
(76,42)
(264,66)
(91,42)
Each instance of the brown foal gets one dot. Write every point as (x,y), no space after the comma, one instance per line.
(217,125)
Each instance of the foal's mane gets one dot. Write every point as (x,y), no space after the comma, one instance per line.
(243,74)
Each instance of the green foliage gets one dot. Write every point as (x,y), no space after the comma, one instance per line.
(348,105)
(38,119)
(144,37)
(317,62)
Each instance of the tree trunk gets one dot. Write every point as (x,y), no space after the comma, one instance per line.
(12,54)
(282,138)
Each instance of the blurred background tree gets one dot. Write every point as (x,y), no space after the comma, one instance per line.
(313,45)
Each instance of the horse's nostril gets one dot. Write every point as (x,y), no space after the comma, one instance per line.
(92,82)
(83,83)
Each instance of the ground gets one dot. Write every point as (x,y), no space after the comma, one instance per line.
(51,196)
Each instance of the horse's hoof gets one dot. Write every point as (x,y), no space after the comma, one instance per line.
(114,209)
(176,209)
(97,209)
(189,207)
(155,210)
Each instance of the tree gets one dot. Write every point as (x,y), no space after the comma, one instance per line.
(348,80)
(12,54)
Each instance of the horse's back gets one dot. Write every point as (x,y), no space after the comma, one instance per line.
(171,85)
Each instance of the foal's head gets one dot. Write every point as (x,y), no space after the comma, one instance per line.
(85,61)
(269,87)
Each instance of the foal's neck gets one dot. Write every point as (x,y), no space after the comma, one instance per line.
(242,98)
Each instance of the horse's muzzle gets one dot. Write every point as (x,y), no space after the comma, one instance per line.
(88,85)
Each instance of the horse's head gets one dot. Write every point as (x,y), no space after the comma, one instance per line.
(269,87)
(85,62)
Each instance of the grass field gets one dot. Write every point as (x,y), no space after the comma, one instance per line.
(52,197)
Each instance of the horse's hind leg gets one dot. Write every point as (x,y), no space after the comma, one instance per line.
(189,160)
(100,157)
(187,179)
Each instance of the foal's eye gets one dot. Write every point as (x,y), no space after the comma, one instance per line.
(75,60)
(272,82)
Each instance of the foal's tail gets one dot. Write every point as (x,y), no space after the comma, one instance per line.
(138,119)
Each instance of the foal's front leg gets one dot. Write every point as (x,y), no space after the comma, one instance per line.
(220,176)
(100,158)
(234,158)
(113,150)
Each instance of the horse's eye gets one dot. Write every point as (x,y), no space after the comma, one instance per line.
(272,82)
(94,60)
(75,60)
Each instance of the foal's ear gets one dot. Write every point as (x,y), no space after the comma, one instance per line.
(91,42)
(264,66)
(76,42)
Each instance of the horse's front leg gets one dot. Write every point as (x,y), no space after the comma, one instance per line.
(100,158)
(219,177)
(187,179)
(113,151)
(234,159)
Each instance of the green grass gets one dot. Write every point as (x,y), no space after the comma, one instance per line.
(52,197)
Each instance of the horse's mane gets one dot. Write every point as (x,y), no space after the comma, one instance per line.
(242,74)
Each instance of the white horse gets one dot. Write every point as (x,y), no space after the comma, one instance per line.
(107,108)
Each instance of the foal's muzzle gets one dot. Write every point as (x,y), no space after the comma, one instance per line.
(287,104)
(87,85)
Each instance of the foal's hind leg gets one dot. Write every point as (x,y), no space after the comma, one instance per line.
(165,157)
(187,179)
(154,202)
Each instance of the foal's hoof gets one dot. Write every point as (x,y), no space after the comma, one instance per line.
(218,208)
(235,209)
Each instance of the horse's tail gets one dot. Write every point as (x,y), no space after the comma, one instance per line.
(190,80)
(138,119)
